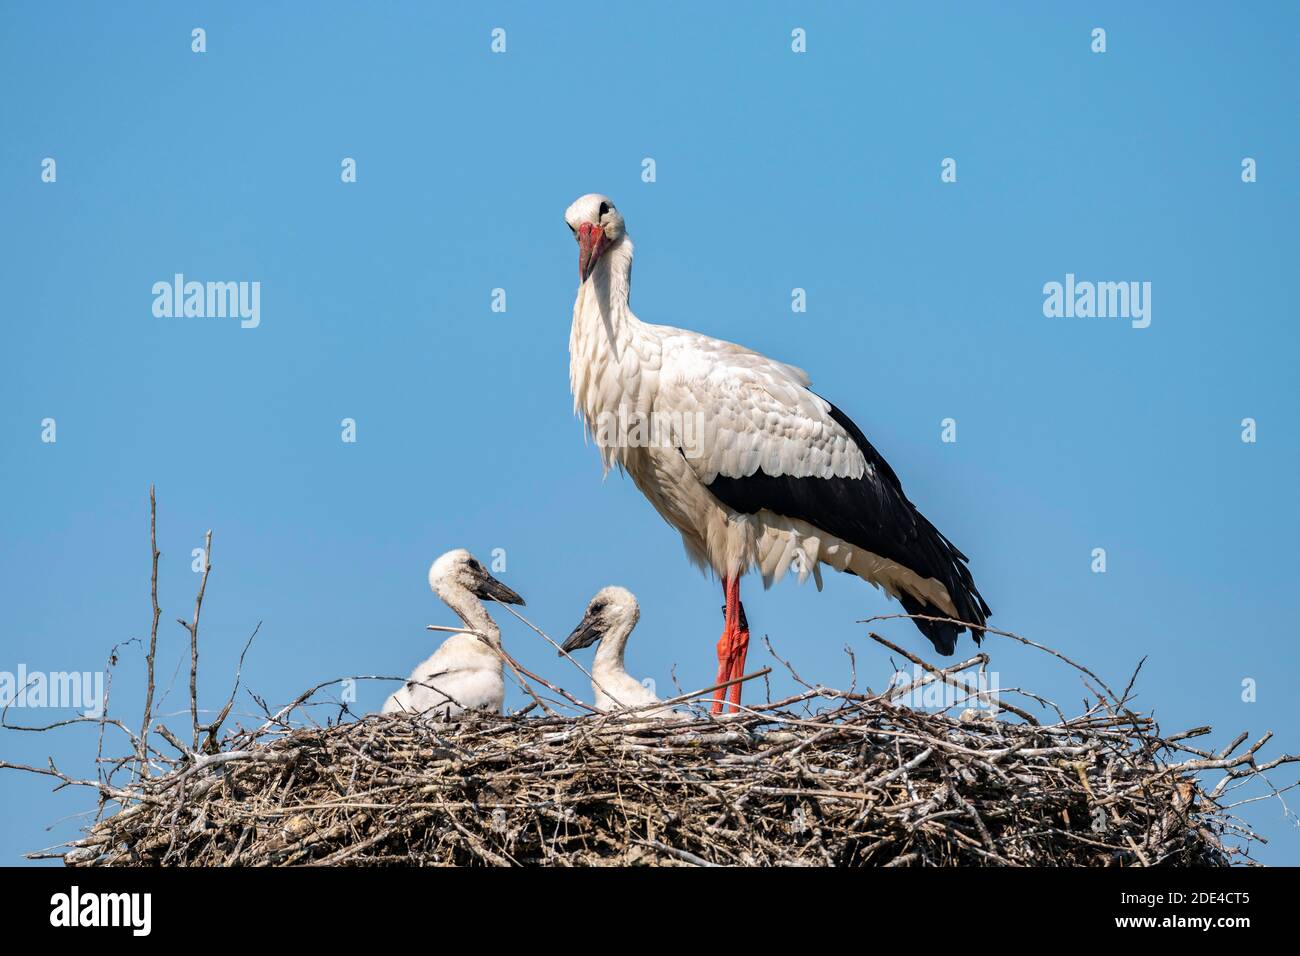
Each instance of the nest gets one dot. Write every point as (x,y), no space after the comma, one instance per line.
(825,778)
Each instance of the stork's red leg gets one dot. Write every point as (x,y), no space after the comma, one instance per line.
(739,649)
(724,665)
(727,643)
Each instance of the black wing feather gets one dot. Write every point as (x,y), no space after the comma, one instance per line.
(872,513)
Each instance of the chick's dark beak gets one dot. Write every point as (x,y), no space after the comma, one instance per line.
(488,588)
(588,632)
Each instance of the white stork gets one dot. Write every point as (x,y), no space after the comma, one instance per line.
(736,452)
(609,619)
(465,672)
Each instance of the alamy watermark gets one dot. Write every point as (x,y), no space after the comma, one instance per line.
(209,300)
(133,911)
(1103,300)
(629,428)
(920,690)
(78,690)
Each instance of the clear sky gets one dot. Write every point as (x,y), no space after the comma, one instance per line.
(774,170)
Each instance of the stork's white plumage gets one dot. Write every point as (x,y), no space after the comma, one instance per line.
(737,453)
(465,672)
(610,617)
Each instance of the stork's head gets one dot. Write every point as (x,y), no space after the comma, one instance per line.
(610,609)
(596,225)
(460,570)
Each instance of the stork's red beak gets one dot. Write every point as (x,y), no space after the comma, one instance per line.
(591,243)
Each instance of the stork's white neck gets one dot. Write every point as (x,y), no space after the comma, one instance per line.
(469,609)
(603,299)
(612,355)
(609,655)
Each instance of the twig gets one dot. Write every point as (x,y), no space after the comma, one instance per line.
(142,761)
(194,636)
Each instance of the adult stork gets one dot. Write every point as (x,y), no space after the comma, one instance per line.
(735,451)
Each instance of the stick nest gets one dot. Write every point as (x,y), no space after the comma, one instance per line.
(824,777)
(827,778)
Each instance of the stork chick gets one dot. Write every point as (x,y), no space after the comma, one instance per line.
(465,673)
(610,618)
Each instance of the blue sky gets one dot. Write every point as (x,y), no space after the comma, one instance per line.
(774,170)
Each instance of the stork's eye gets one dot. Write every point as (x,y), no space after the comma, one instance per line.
(604,208)
(596,608)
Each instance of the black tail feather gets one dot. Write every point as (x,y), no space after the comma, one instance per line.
(942,634)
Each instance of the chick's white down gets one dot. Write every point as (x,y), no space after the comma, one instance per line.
(466,672)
